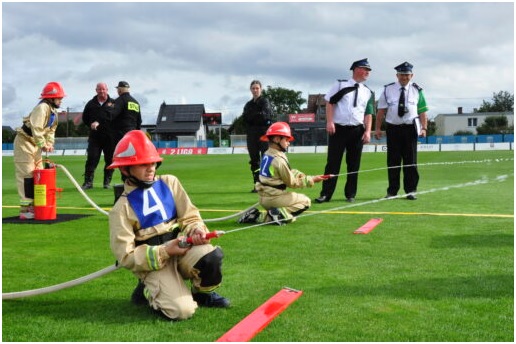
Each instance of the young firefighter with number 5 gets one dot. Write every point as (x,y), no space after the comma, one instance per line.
(275,176)
(146,225)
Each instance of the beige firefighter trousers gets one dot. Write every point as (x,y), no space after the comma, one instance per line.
(27,158)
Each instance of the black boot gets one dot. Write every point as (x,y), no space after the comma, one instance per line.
(88,181)
(107,178)
(138,296)
(256,178)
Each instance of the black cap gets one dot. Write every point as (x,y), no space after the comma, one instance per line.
(123,84)
(360,63)
(404,68)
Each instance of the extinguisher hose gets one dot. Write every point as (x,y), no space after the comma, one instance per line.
(105,271)
(90,201)
(78,187)
(72,283)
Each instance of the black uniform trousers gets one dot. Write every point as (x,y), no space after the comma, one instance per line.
(402,147)
(346,139)
(255,147)
(96,145)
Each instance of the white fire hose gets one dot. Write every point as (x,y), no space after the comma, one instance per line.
(100,273)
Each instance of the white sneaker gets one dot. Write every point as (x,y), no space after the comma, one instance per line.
(27,216)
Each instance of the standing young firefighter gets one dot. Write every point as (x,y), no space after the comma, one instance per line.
(146,223)
(275,176)
(34,137)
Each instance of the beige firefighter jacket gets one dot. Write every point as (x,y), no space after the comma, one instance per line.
(281,174)
(125,229)
(37,121)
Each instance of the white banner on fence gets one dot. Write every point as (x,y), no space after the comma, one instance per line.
(220,150)
(427,148)
(321,149)
(457,147)
(74,152)
(240,150)
(301,149)
(493,146)
(369,149)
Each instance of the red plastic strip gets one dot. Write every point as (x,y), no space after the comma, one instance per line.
(248,327)
(369,226)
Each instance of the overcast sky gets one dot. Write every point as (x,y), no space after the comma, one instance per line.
(208,53)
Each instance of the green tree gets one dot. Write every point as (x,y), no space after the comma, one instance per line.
(463,133)
(503,101)
(495,125)
(283,101)
(8,135)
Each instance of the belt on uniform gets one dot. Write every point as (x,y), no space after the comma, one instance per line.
(160,239)
(27,130)
(400,125)
(349,126)
(279,187)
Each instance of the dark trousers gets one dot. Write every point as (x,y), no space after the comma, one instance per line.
(97,145)
(402,148)
(256,148)
(346,139)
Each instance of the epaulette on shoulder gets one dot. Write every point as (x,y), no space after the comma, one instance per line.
(392,83)
(342,80)
(419,88)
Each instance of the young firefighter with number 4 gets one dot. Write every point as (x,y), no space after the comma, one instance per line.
(147,224)
(275,176)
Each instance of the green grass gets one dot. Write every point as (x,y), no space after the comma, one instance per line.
(437,269)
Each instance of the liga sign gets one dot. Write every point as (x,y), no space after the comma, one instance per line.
(301,118)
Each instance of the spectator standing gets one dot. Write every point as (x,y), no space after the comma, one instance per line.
(126,113)
(349,110)
(97,117)
(257,116)
(404,108)
(36,135)
(144,224)
(276,176)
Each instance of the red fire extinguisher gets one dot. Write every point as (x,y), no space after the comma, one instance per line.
(45,192)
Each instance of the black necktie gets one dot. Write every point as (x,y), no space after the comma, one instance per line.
(356,96)
(401,103)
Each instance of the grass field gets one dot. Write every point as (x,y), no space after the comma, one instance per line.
(437,269)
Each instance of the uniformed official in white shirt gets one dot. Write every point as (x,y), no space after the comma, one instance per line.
(404,108)
(349,110)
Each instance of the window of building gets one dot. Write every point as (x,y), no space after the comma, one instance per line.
(472,122)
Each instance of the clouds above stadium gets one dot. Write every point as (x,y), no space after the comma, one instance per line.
(208,53)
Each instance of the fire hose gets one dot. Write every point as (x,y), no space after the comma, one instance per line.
(215,234)
(184,242)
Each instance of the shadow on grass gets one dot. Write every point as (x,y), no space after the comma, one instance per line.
(486,286)
(100,310)
(476,240)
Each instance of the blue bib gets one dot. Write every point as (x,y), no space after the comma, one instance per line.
(153,205)
(51,119)
(265,166)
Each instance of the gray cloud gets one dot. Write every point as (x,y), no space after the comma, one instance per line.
(209,52)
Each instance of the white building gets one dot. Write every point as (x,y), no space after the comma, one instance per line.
(449,124)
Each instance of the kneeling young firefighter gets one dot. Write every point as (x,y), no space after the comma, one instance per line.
(147,226)
(276,176)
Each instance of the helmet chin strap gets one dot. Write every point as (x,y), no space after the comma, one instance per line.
(141,183)
(280,148)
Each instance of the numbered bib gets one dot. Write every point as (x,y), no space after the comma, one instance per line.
(154,205)
(265,166)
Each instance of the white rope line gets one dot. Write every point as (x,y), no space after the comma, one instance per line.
(109,269)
